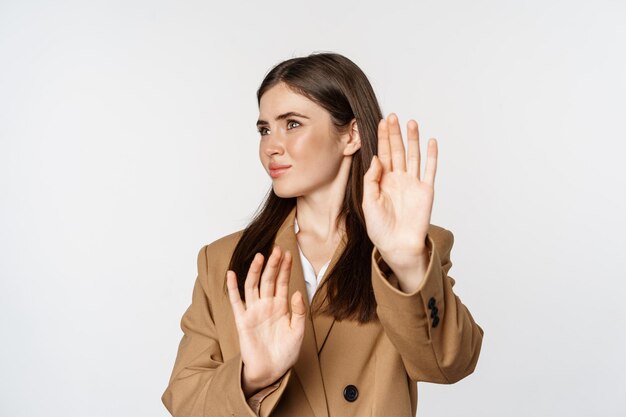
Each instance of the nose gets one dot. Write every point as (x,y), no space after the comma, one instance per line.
(273,144)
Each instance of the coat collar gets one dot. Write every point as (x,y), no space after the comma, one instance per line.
(318,326)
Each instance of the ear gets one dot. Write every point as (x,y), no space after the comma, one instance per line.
(354,139)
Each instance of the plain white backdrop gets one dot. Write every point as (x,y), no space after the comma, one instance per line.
(127,141)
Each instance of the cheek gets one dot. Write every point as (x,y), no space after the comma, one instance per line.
(316,163)
(301,154)
(311,150)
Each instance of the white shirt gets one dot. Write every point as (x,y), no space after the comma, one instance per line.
(307,268)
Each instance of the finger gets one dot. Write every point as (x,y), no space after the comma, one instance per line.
(384,151)
(268,282)
(398,155)
(371,180)
(298,311)
(431,162)
(282,282)
(233,294)
(413,145)
(251,285)
(271,269)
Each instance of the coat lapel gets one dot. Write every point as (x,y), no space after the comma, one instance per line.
(316,328)
(324,322)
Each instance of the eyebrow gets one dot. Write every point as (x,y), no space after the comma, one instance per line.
(282,116)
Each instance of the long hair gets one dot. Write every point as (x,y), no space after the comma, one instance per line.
(338,85)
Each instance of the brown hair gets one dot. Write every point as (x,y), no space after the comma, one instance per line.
(338,85)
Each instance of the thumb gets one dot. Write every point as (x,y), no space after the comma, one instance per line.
(298,311)
(371,179)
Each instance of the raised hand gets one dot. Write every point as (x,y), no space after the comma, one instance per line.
(269,338)
(397,203)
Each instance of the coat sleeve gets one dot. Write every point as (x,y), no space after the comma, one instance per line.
(431,328)
(202,384)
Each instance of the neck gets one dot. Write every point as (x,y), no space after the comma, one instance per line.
(317,212)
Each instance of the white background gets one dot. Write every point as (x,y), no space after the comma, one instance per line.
(128,142)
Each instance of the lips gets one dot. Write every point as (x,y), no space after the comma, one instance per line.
(276,170)
(278,166)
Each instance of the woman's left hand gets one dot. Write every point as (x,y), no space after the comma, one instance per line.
(397,204)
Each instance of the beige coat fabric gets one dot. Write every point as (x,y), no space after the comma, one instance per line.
(376,366)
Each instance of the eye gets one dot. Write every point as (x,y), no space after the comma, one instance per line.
(294,121)
(261,130)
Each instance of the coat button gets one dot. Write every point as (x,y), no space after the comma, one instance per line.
(431,302)
(434,312)
(350,393)
(435,321)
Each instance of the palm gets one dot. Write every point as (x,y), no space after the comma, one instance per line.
(269,338)
(266,338)
(397,204)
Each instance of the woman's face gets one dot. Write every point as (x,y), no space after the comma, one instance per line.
(298,132)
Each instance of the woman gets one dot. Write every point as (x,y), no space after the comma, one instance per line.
(349,246)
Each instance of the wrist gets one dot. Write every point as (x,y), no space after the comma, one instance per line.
(403,263)
(248,385)
(251,385)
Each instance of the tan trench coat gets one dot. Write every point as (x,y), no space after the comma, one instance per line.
(344,369)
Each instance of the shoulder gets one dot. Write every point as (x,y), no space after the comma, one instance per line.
(222,247)
(225,244)
(214,257)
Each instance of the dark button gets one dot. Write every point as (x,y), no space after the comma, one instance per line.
(434,312)
(435,321)
(431,302)
(350,393)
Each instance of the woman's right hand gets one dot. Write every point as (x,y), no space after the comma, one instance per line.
(269,338)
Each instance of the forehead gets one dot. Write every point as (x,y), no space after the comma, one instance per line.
(280,99)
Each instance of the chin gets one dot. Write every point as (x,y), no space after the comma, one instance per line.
(284,191)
